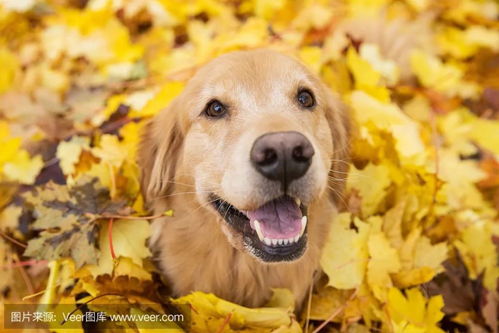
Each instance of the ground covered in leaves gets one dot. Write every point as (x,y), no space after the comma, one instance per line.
(415,248)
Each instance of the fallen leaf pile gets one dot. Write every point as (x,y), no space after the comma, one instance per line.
(415,247)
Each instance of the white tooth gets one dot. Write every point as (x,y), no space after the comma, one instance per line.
(280,241)
(274,242)
(297,238)
(286,241)
(298,202)
(258,230)
(303,224)
(267,241)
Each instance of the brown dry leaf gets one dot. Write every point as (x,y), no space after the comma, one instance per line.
(68,220)
(447,283)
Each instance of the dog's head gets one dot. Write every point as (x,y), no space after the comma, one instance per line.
(259,138)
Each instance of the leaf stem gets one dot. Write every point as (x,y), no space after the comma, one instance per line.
(13,240)
(124,217)
(38,293)
(24,275)
(110,237)
(335,313)
(24,263)
(226,321)
(309,306)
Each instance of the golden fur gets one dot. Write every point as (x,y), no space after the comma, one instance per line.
(185,156)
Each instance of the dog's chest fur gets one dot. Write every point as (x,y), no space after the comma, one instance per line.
(195,255)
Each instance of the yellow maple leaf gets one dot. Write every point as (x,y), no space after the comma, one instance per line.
(162,98)
(444,77)
(465,43)
(479,252)
(413,313)
(460,176)
(363,72)
(68,153)
(251,34)
(413,276)
(453,41)
(10,67)
(382,115)
(420,260)
(131,134)
(366,78)
(9,217)
(409,145)
(383,261)
(55,80)
(313,15)
(100,171)
(312,56)
(91,33)
(371,184)
(344,257)
(129,241)
(111,150)
(365,7)
(392,223)
(23,168)
(388,69)
(209,308)
(325,300)
(267,9)
(373,114)
(486,133)
(10,145)
(429,255)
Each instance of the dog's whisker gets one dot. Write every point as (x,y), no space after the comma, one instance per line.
(339,161)
(340,180)
(339,195)
(342,149)
(177,183)
(340,175)
(340,172)
(180,193)
(353,176)
(186,184)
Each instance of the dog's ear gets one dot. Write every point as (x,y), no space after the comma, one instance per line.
(340,124)
(158,152)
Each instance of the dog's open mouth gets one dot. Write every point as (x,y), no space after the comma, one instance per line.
(275,231)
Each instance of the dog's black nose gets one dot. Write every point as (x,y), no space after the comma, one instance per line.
(282,156)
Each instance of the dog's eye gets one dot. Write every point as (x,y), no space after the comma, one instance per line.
(306,98)
(215,109)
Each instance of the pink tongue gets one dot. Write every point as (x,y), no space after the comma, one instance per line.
(279,218)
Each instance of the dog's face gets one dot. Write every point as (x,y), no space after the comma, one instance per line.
(260,138)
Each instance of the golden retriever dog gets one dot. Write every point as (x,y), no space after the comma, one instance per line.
(252,157)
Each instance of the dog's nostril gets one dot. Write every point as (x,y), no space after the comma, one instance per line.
(269,156)
(298,154)
(302,154)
